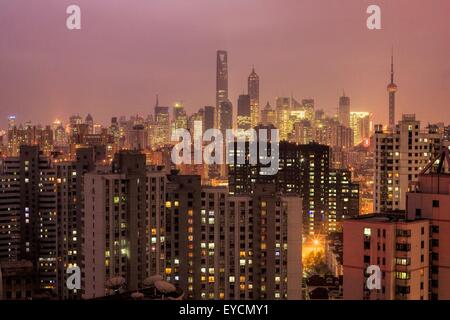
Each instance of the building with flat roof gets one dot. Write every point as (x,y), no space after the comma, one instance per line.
(398,246)
(430,199)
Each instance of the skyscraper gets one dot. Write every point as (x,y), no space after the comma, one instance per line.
(392,89)
(401,153)
(344,110)
(115,235)
(244,120)
(328,195)
(180,118)
(268,115)
(28,189)
(283,114)
(361,124)
(162,124)
(221,80)
(70,208)
(225,116)
(209,117)
(253,92)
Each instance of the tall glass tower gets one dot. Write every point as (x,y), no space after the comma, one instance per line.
(221,79)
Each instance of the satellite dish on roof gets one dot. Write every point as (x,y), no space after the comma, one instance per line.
(115,283)
(150,281)
(164,286)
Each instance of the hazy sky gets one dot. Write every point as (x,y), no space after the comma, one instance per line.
(129,50)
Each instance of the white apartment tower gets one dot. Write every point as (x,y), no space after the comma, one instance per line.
(401,154)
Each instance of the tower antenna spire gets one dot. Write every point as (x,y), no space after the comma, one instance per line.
(392,65)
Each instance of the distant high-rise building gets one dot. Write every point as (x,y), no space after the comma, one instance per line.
(221,80)
(180,118)
(361,124)
(60,137)
(253,92)
(447,133)
(90,122)
(308,107)
(137,138)
(303,132)
(225,116)
(244,119)
(401,153)
(11,122)
(328,196)
(283,117)
(162,125)
(268,116)
(196,124)
(341,136)
(75,120)
(392,89)
(210,112)
(344,110)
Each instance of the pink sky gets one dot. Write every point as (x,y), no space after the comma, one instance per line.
(129,50)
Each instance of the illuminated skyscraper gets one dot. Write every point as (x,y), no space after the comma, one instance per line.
(179,116)
(392,89)
(244,112)
(308,107)
(268,115)
(344,110)
(90,122)
(209,117)
(221,80)
(11,122)
(253,92)
(361,123)
(162,123)
(283,112)
(225,116)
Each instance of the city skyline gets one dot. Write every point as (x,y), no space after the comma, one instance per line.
(154,57)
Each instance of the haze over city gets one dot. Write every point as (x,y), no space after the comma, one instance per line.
(129,51)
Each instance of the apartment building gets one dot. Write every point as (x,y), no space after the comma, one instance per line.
(401,153)
(399,247)
(430,199)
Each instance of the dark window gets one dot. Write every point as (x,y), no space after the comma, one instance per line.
(435,203)
(418,213)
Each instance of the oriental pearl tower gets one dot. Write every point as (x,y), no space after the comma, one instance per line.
(392,89)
